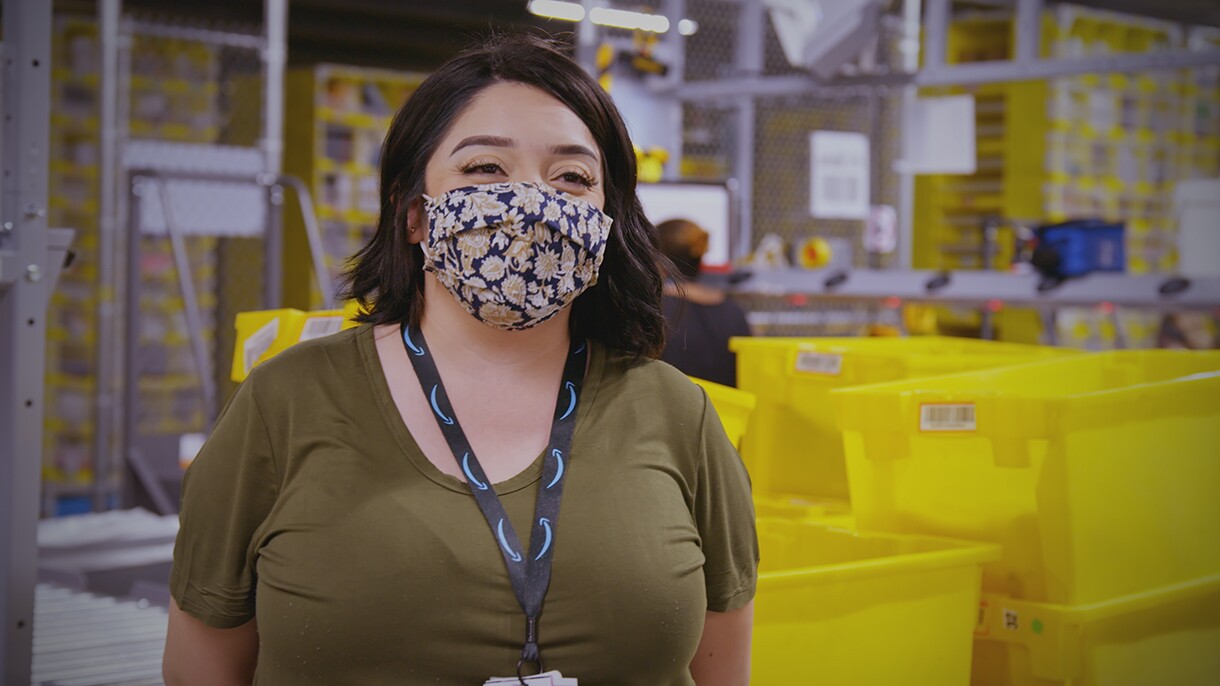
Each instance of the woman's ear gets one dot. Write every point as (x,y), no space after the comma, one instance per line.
(416,220)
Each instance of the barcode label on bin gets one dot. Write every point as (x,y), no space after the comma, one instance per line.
(946,417)
(258,343)
(317,327)
(818,363)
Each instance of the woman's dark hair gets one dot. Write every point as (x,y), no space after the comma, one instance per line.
(685,243)
(623,310)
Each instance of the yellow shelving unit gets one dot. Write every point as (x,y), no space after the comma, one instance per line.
(1095,145)
(333,141)
(1111,145)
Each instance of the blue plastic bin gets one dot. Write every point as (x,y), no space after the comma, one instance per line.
(1076,248)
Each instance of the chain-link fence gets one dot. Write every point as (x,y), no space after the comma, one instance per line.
(778,161)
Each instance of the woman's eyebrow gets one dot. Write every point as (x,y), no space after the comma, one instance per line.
(494,141)
(573,150)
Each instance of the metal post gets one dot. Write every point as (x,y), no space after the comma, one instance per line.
(313,235)
(273,249)
(675,10)
(1050,331)
(1029,25)
(275,55)
(586,41)
(103,446)
(190,301)
(936,32)
(909,47)
(113,462)
(136,188)
(134,458)
(749,60)
(24,138)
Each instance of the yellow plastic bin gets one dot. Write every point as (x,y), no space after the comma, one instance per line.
(794,446)
(838,607)
(732,405)
(1097,474)
(1166,636)
(263,334)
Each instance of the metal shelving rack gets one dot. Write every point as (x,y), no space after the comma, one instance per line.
(747,81)
(25,262)
(334,146)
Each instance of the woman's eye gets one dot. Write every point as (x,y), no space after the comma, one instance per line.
(577,178)
(484,168)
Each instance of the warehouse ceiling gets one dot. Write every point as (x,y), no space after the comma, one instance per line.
(421,34)
(398,34)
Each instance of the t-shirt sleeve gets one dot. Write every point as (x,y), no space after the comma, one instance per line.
(724,513)
(227,493)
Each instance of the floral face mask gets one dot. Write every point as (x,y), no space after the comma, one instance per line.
(514,254)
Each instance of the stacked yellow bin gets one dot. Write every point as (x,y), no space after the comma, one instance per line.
(881,608)
(840,607)
(1097,476)
(794,448)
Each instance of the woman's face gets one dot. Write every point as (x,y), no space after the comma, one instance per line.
(511,132)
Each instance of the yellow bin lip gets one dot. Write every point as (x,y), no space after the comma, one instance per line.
(1078,615)
(882,346)
(865,407)
(734,397)
(957,553)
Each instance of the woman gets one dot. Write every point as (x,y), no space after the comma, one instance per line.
(701,319)
(341,525)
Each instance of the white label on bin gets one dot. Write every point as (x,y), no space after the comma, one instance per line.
(818,363)
(1012,620)
(947,417)
(258,343)
(317,327)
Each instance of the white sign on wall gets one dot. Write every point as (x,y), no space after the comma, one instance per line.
(839,174)
(941,138)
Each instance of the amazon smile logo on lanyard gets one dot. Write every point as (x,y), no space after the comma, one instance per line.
(529,573)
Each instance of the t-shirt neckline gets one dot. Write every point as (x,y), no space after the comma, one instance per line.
(379,387)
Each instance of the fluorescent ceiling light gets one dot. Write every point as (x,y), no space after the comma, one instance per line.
(604,16)
(556,9)
(623,19)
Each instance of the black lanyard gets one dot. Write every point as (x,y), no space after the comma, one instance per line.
(530,574)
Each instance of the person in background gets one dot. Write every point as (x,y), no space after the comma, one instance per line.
(382,506)
(700,319)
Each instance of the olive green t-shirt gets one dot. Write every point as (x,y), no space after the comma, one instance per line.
(312,508)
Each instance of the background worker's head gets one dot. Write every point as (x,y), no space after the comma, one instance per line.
(685,244)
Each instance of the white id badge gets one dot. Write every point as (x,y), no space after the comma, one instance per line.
(551,678)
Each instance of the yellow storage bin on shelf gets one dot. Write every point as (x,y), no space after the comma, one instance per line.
(264,334)
(838,607)
(794,446)
(1097,474)
(733,406)
(1166,636)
